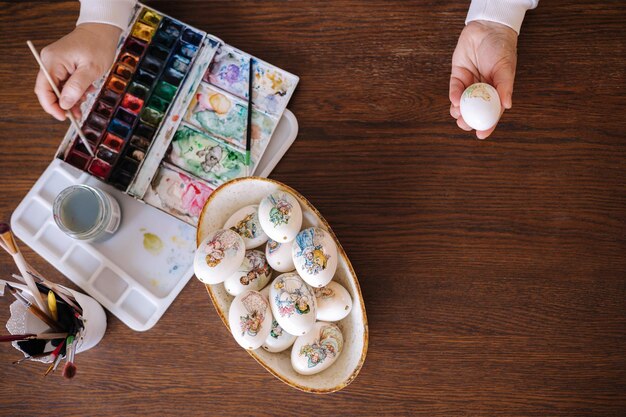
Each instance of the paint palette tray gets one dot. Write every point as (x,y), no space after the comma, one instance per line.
(138,272)
(179,113)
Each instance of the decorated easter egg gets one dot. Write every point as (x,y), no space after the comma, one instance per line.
(253,274)
(314,253)
(333,302)
(318,349)
(280,215)
(480,106)
(218,256)
(293,304)
(278,339)
(250,319)
(279,256)
(245,221)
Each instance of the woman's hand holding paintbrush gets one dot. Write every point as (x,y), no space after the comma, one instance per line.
(75,62)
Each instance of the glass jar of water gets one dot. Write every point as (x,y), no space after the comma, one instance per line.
(86,213)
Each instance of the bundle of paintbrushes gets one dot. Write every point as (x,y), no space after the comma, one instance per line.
(51,304)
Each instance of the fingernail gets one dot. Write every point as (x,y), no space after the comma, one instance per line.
(65,103)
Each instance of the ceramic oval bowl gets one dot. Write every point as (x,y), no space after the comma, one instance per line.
(239,193)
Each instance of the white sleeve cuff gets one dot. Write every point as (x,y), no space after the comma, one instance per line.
(507,12)
(112,12)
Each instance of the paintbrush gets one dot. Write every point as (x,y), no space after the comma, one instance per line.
(31,357)
(34,309)
(68,113)
(30,336)
(58,290)
(69,371)
(56,358)
(249,129)
(9,241)
(17,285)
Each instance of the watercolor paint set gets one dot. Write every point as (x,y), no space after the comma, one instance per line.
(169,122)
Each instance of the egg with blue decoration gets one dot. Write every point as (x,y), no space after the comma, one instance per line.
(245,222)
(280,216)
(314,253)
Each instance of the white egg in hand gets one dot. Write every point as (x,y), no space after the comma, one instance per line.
(245,221)
(250,319)
(293,303)
(333,302)
(253,274)
(317,350)
(480,106)
(314,254)
(278,340)
(279,256)
(218,256)
(280,216)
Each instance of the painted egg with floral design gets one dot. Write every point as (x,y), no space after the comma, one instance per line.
(278,340)
(250,319)
(280,215)
(333,302)
(314,254)
(293,303)
(245,221)
(318,349)
(253,274)
(279,256)
(218,256)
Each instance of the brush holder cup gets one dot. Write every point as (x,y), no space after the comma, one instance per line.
(94,320)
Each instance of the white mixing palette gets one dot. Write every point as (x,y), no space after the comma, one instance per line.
(139,271)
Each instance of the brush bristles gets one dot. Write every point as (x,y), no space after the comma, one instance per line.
(69,371)
(4,227)
(8,240)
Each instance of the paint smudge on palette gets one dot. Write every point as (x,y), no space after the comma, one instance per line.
(225,116)
(205,157)
(178,193)
(220,114)
(152,243)
(271,87)
(183,249)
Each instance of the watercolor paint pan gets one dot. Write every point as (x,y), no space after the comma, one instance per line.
(103,108)
(135,47)
(150,17)
(164,39)
(142,31)
(99,168)
(110,98)
(113,142)
(132,104)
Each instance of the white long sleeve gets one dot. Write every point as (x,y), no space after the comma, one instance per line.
(113,12)
(508,12)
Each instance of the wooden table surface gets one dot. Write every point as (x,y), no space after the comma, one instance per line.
(493,271)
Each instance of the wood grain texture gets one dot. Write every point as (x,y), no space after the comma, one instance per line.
(493,272)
